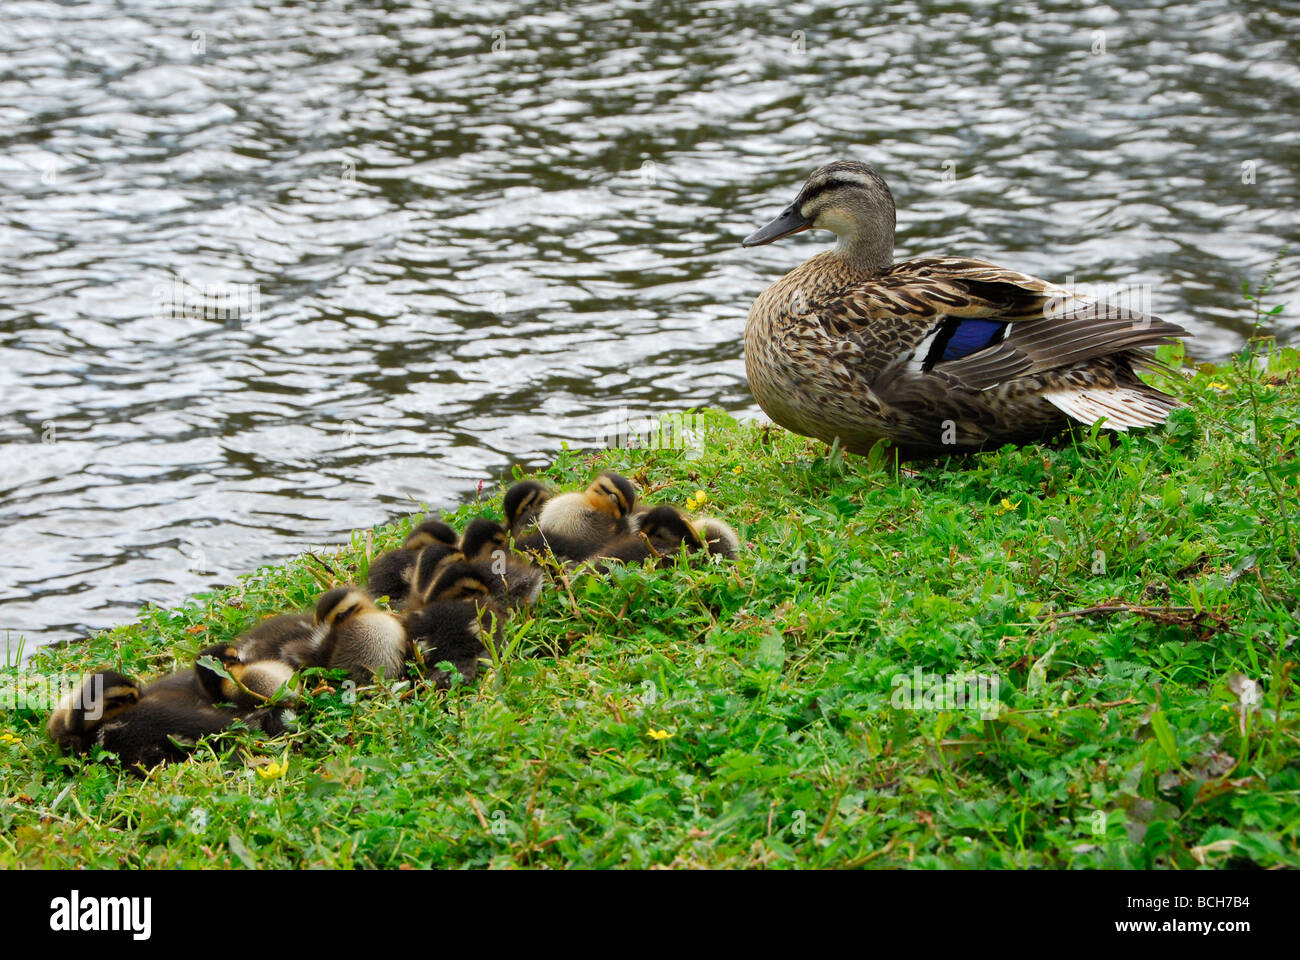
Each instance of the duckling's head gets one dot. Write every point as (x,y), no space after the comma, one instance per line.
(666,525)
(524,501)
(216,686)
(429,564)
(100,697)
(459,581)
(612,493)
(849,199)
(340,604)
(430,532)
(482,538)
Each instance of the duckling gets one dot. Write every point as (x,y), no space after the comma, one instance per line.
(512,580)
(450,626)
(292,638)
(264,658)
(719,538)
(146,726)
(574,525)
(261,678)
(360,638)
(390,573)
(661,533)
(523,503)
(102,696)
(424,574)
(483,538)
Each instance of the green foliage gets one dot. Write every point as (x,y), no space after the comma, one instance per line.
(1133,596)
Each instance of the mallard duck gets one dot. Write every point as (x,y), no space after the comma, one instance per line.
(147,725)
(292,638)
(574,525)
(390,574)
(938,354)
(100,697)
(451,624)
(359,637)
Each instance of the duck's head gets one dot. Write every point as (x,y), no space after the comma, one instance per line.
(666,525)
(340,604)
(429,564)
(524,501)
(849,199)
(102,696)
(612,493)
(482,538)
(429,532)
(216,686)
(459,581)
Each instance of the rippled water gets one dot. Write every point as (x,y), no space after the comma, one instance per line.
(471,228)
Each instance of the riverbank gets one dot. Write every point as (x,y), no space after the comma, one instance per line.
(1076,656)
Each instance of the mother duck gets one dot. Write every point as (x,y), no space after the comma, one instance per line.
(939,355)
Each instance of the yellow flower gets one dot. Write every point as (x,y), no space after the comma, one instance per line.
(8,738)
(654,734)
(1216,385)
(737,469)
(274,770)
(1008,506)
(701,496)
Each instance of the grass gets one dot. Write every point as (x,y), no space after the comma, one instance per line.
(1132,597)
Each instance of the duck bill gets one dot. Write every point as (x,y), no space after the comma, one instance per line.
(790,221)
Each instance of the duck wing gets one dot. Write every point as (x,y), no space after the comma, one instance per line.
(952,325)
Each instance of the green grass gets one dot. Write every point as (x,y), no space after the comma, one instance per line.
(745,714)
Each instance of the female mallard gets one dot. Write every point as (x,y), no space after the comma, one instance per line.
(940,354)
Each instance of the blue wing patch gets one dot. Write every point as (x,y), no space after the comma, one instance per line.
(960,337)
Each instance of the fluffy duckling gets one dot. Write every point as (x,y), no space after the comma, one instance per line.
(482,539)
(263,659)
(360,638)
(513,581)
(291,638)
(145,726)
(450,626)
(662,532)
(428,565)
(719,538)
(390,574)
(575,525)
(102,696)
(261,678)
(523,503)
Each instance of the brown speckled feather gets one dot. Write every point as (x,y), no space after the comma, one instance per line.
(831,353)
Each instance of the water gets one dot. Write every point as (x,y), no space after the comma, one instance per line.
(474,228)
